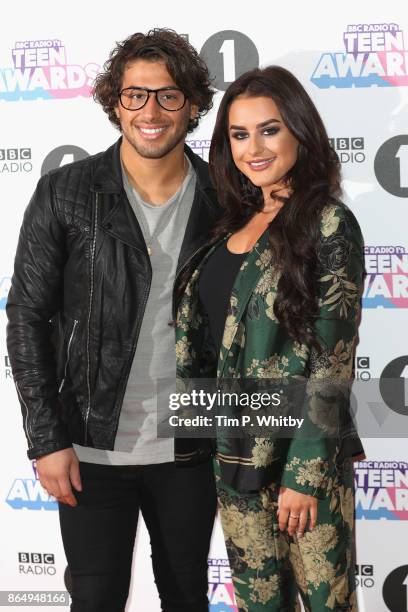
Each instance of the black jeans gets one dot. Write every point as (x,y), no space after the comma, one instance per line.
(178,506)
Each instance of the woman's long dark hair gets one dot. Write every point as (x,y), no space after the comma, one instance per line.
(314,181)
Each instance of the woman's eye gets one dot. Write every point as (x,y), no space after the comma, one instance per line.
(270,131)
(239,135)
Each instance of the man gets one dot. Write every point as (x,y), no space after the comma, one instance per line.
(91,309)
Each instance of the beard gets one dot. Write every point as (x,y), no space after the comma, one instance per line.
(153,150)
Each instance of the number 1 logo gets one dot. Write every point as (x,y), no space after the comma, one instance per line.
(228,54)
(65,154)
(391,166)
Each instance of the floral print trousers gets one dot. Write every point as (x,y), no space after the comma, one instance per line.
(270,569)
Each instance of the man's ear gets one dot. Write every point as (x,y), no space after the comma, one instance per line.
(193,111)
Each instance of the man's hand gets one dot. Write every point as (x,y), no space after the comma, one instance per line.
(57,472)
(294,509)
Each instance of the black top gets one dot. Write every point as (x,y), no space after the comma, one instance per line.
(215,286)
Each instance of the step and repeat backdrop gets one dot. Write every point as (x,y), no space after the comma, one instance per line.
(353,60)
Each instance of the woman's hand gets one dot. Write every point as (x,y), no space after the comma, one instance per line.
(294,510)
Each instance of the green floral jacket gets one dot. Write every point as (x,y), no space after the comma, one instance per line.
(256,346)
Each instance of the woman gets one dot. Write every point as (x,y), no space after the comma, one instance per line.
(278,297)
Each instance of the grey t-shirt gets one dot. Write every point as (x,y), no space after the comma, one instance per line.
(136,441)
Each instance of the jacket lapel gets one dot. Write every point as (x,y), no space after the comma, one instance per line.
(244,285)
(120,221)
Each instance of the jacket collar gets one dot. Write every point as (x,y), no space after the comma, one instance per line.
(117,218)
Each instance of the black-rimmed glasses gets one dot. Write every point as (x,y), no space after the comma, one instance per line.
(169,98)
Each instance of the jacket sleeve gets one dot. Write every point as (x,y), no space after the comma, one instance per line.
(34,298)
(340,275)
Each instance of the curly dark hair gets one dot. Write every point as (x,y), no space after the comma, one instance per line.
(314,181)
(183,63)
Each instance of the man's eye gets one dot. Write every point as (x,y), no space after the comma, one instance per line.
(169,97)
(137,96)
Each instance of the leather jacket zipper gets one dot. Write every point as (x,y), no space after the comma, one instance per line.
(143,307)
(68,351)
(88,338)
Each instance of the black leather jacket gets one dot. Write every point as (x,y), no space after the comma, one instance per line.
(81,281)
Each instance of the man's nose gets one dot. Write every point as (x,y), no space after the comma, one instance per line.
(152,108)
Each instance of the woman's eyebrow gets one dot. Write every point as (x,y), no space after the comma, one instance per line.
(259,125)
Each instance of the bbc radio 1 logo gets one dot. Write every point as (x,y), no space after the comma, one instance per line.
(61,156)
(381,489)
(393,385)
(386,282)
(28,493)
(40,69)
(36,564)
(365,576)
(391,165)
(15,160)
(349,149)
(374,54)
(228,54)
(200,147)
(395,589)
(220,587)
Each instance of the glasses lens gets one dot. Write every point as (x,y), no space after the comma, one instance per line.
(171,99)
(132,99)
